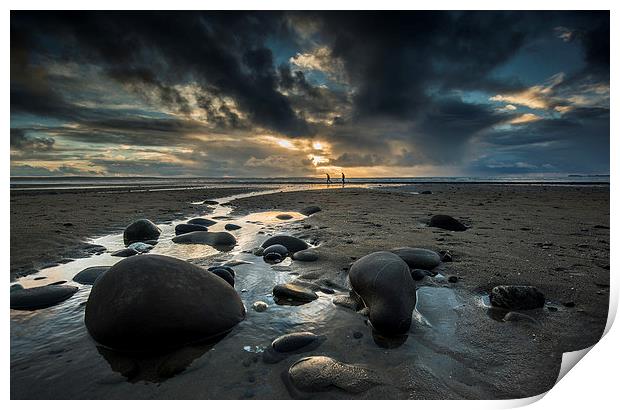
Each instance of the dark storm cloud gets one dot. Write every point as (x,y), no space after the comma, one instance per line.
(396,87)
(20,140)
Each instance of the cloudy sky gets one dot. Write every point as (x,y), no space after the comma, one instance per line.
(298,94)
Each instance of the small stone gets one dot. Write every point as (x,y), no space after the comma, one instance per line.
(307,255)
(292,292)
(259,306)
(569,304)
(294,341)
(284,217)
(231,227)
(210,202)
(447,222)
(453,279)
(309,210)
(358,335)
(123,253)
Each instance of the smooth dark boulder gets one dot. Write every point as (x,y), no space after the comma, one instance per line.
(384,283)
(517,297)
(215,239)
(275,254)
(123,253)
(447,222)
(426,192)
(284,217)
(319,373)
(290,242)
(88,276)
(140,231)
(154,302)
(418,258)
(293,341)
(180,229)
(231,227)
(210,202)
(40,297)
(289,292)
(227,274)
(201,221)
(309,210)
(307,255)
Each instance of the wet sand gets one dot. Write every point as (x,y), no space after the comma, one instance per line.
(50,226)
(555,238)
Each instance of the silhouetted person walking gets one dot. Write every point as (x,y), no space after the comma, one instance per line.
(342,178)
(329,180)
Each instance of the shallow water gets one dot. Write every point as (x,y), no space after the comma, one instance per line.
(52,355)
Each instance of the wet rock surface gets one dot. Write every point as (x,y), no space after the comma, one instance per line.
(40,297)
(418,258)
(291,243)
(224,239)
(201,221)
(140,231)
(289,293)
(319,373)
(384,283)
(185,228)
(123,253)
(151,302)
(88,276)
(307,255)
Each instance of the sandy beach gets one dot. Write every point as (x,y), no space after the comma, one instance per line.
(553,237)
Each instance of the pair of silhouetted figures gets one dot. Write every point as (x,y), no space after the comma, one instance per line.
(329,180)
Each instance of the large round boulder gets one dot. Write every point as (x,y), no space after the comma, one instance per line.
(418,258)
(289,242)
(154,302)
(140,231)
(180,229)
(384,283)
(446,222)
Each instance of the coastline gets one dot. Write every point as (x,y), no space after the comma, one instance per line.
(555,238)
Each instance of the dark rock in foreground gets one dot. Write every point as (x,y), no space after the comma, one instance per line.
(517,297)
(88,276)
(41,297)
(140,231)
(153,302)
(384,283)
(290,242)
(293,293)
(318,373)
(447,222)
(309,210)
(231,227)
(201,221)
(418,258)
(180,229)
